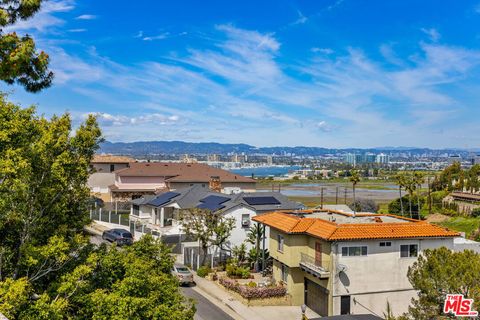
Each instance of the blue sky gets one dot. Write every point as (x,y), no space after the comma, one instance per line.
(336,73)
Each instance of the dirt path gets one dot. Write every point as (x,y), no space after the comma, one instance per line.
(437,217)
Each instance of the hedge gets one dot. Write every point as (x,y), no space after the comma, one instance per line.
(253,292)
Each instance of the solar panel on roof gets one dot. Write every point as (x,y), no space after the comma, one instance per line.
(210,206)
(214,199)
(163,198)
(261,200)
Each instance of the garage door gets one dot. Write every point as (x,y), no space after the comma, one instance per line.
(316,298)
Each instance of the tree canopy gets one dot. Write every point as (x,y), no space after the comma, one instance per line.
(207,227)
(134,283)
(20,62)
(439,272)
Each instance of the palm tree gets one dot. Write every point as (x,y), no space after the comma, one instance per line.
(354,179)
(255,236)
(418,179)
(400,178)
(410,186)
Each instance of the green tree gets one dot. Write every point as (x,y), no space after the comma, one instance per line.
(418,180)
(400,180)
(20,62)
(134,283)
(43,191)
(254,237)
(354,179)
(207,227)
(439,272)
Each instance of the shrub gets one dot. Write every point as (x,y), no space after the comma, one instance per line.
(248,292)
(475,212)
(364,205)
(252,284)
(234,271)
(203,271)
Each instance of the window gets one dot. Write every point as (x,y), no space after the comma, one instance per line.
(136,210)
(280,240)
(245,220)
(345,305)
(112,167)
(284,274)
(354,251)
(385,244)
(408,250)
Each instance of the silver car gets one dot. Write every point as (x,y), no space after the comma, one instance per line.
(183,275)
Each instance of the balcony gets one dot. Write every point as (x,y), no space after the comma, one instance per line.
(315,268)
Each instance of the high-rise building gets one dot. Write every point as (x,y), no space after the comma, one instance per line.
(354,159)
(270,160)
(382,158)
(213,158)
(369,158)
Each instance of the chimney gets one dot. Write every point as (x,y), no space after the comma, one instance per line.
(215,184)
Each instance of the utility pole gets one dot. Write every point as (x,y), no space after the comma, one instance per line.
(321,198)
(345,198)
(429,197)
(336,195)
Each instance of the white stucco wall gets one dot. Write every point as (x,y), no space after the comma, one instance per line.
(239,233)
(379,277)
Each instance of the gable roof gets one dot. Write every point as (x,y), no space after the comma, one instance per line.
(202,197)
(181,172)
(332,231)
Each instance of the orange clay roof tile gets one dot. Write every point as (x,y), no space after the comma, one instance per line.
(352,231)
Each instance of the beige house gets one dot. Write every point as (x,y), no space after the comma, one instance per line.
(149,178)
(102,176)
(339,263)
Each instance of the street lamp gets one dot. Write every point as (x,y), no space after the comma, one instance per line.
(304,308)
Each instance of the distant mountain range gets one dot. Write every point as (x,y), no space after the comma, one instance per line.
(143,148)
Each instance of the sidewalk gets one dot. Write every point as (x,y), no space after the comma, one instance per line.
(251,313)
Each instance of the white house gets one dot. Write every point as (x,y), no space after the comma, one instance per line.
(159,212)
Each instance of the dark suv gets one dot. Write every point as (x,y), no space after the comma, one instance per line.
(119,236)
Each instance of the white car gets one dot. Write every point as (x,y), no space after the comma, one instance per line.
(183,275)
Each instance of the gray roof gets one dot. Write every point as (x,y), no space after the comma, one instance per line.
(191,197)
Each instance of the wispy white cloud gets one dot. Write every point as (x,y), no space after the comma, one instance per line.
(157,37)
(86,17)
(107,119)
(301,18)
(322,50)
(238,90)
(432,33)
(45,18)
(77,30)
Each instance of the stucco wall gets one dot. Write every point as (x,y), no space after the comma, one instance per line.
(380,274)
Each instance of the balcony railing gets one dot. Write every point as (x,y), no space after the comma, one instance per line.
(317,268)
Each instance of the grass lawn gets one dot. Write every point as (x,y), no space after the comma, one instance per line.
(461,224)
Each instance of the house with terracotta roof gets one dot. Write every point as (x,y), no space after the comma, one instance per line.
(342,263)
(102,176)
(150,178)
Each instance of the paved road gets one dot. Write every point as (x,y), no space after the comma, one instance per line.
(205,309)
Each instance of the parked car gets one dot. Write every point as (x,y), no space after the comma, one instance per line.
(119,236)
(183,275)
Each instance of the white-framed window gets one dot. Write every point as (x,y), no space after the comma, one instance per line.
(354,251)
(281,241)
(408,250)
(385,244)
(245,220)
(284,272)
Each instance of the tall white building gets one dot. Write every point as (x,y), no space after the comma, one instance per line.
(382,158)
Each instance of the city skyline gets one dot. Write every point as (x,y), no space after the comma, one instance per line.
(276,73)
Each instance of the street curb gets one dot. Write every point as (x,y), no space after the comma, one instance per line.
(218,302)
